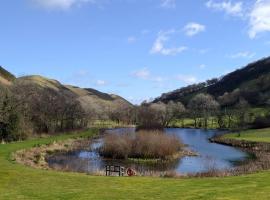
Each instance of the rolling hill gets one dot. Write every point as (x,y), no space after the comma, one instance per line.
(90,99)
(6,77)
(251,82)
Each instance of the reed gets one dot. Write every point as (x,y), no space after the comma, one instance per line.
(143,145)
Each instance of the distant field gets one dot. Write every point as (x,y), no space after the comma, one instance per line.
(212,121)
(19,182)
(259,135)
(108,124)
(212,124)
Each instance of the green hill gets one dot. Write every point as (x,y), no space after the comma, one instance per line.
(251,82)
(89,98)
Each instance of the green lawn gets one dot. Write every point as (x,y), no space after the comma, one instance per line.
(21,182)
(187,122)
(259,135)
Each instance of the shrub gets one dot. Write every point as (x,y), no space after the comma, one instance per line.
(116,146)
(261,122)
(143,144)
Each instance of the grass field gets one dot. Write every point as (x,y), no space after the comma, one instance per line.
(20,182)
(259,135)
(108,124)
(212,121)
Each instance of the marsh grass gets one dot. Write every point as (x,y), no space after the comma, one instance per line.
(141,145)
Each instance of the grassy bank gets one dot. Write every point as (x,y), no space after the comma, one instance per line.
(258,135)
(21,182)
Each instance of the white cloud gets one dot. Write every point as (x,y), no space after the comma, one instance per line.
(188,79)
(259,19)
(159,48)
(158,79)
(202,66)
(145,31)
(229,7)
(192,29)
(131,39)
(244,54)
(101,83)
(147,75)
(256,14)
(204,51)
(168,3)
(60,4)
(82,73)
(142,73)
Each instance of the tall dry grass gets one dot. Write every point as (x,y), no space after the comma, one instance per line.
(143,144)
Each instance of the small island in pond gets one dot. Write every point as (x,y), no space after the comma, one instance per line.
(144,146)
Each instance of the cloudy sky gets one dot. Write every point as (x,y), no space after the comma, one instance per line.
(135,48)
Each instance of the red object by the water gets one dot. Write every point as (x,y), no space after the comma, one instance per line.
(131,172)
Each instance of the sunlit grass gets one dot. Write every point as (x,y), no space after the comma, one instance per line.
(258,135)
(21,182)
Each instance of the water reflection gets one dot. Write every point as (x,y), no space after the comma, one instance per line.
(212,156)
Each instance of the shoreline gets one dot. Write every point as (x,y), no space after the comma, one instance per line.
(259,157)
(36,157)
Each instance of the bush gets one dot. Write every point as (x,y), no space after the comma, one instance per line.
(261,122)
(116,146)
(143,144)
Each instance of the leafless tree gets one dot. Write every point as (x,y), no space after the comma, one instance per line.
(202,106)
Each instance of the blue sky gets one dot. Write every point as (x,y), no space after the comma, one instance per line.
(135,48)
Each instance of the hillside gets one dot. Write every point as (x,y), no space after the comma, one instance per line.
(6,77)
(251,82)
(97,101)
(90,99)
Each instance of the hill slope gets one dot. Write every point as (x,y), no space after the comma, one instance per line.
(6,77)
(251,82)
(97,101)
(90,99)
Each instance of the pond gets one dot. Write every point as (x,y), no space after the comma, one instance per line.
(211,156)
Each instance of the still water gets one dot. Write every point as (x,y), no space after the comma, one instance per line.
(211,155)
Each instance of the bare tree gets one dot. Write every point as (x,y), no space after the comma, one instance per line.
(150,116)
(50,110)
(241,111)
(159,115)
(202,106)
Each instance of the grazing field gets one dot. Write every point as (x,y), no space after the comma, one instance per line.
(256,135)
(21,182)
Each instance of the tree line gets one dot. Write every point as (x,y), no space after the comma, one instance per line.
(26,110)
(204,111)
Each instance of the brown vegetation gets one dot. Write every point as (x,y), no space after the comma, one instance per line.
(145,145)
(156,116)
(36,156)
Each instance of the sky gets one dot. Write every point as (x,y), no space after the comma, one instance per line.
(138,49)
